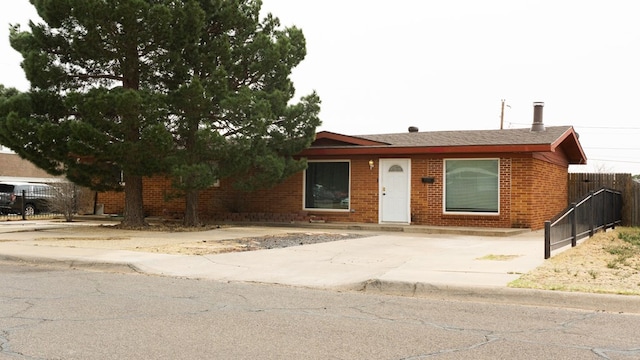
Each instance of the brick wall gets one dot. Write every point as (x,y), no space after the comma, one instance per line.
(550,192)
(427,199)
(531,191)
(223,202)
(540,192)
(521,197)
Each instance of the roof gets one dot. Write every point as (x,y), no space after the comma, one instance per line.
(468,141)
(471,137)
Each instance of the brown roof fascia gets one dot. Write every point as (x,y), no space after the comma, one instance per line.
(392,150)
(354,140)
(569,142)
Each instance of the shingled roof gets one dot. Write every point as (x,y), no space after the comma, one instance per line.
(471,137)
(468,141)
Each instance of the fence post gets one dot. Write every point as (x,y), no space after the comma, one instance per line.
(614,202)
(612,210)
(574,224)
(547,239)
(592,213)
(605,209)
(24,193)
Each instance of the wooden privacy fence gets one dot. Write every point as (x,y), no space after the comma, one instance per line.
(581,184)
(601,209)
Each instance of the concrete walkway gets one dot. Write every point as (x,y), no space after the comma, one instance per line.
(452,266)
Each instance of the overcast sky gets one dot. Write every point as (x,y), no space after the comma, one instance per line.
(381,66)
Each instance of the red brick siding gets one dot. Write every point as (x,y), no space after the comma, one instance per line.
(427,199)
(531,191)
(113,202)
(363,194)
(550,192)
(539,192)
(521,187)
(157,194)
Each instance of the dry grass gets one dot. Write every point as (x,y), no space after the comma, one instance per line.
(498,257)
(609,262)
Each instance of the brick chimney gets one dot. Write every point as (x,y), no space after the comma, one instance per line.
(537,125)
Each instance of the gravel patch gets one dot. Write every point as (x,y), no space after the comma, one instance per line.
(205,247)
(194,243)
(293,239)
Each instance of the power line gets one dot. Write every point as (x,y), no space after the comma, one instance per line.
(610,148)
(621,161)
(608,127)
(590,127)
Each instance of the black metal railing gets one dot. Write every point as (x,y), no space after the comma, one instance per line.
(33,204)
(600,209)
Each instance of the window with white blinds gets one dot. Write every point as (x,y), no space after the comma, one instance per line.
(472,186)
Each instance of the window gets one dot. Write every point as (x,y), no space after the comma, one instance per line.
(326,185)
(472,186)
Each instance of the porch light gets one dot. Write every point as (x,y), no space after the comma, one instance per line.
(370,164)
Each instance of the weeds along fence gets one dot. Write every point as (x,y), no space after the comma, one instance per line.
(581,184)
(601,209)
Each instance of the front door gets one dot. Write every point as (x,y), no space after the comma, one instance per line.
(394,190)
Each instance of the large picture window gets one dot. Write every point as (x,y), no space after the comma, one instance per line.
(472,186)
(326,185)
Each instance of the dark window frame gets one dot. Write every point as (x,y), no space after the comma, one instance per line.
(323,190)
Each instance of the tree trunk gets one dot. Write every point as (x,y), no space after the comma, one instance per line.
(191,209)
(133,203)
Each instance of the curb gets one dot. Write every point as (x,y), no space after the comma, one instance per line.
(126,268)
(488,294)
(508,296)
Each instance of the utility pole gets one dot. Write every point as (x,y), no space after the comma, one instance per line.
(502,114)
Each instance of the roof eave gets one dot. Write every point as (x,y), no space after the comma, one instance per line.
(414,150)
(571,145)
(347,139)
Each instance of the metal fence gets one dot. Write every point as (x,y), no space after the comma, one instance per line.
(31,201)
(601,209)
(36,203)
(581,184)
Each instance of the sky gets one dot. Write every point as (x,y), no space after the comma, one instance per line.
(382,66)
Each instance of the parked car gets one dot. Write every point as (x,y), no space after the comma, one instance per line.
(36,197)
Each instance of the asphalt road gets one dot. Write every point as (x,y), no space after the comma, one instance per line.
(51,313)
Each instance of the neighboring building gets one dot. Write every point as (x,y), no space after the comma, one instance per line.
(485,178)
(15,168)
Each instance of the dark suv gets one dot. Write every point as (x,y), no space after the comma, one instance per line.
(36,197)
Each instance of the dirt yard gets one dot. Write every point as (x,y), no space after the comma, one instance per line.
(604,263)
(179,241)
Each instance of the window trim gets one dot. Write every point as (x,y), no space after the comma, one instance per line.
(444,190)
(304,187)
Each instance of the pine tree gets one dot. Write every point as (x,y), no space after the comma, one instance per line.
(231,113)
(198,90)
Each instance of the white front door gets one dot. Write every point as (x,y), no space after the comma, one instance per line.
(395,190)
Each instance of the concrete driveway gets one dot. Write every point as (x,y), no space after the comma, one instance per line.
(437,259)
